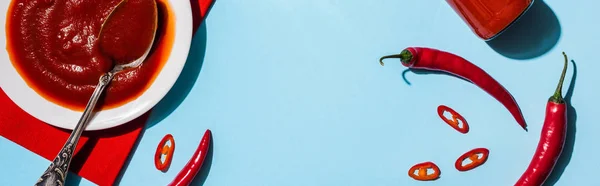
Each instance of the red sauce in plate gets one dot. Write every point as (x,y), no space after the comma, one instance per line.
(54,46)
(488,18)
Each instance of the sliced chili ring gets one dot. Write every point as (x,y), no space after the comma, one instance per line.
(166,150)
(454,123)
(472,155)
(422,174)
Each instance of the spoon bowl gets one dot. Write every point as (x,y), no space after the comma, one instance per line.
(112,26)
(144,38)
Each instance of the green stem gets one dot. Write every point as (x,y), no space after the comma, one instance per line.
(390,56)
(557,97)
(405,57)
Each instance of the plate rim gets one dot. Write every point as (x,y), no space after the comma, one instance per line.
(110,118)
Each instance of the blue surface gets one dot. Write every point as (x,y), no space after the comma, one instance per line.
(294,95)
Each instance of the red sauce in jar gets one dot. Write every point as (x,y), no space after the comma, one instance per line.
(488,18)
(54,46)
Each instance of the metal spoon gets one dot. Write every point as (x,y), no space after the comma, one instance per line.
(56,173)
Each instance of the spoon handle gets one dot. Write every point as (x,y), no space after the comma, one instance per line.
(56,173)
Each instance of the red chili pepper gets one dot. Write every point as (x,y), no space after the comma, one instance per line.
(164,149)
(454,123)
(552,138)
(422,174)
(436,60)
(189,171)
(472,155)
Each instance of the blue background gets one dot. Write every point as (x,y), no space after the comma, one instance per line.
(294,95)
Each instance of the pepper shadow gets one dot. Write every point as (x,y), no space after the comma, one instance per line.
(200,178)
(185,82)
(426,72)
(532,35)
(567,153)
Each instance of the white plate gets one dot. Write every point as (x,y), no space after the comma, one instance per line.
(26,98)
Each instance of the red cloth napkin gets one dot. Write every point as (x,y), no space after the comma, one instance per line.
(100,155)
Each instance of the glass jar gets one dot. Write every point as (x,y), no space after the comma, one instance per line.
(489,18)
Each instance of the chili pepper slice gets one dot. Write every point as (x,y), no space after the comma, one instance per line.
(454,123)
(421,171)
(472,155)
(166,150)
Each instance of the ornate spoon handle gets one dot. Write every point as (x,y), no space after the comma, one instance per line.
(56,173)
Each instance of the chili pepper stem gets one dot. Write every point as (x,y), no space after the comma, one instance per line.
(557,97)
(405,56)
